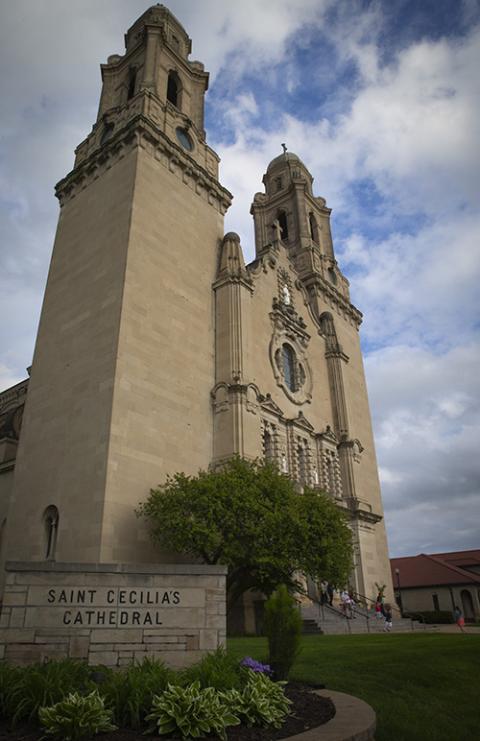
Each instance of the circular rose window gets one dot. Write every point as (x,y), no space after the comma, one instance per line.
(291,369)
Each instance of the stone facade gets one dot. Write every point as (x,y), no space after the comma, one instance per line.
(112,614)
(158,350)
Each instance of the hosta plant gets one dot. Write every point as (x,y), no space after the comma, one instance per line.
(260,703)
(76,717)
(191,712)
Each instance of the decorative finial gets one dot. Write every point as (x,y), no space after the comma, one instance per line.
(284,147)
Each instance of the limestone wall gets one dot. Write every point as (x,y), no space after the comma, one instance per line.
(112,614)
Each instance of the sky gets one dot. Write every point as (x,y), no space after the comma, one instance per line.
(381,100)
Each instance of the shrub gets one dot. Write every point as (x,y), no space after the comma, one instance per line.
(38,685)
(261,702)
(9,676)
(129,693)
(283,628)
(191,711)
(431,616)
(216,669)
(76,717)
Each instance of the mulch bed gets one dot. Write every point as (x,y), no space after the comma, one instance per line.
(308,711)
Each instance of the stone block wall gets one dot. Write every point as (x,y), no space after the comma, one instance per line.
(112,614)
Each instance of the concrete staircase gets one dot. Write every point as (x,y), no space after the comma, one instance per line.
(331,620)
(311,627)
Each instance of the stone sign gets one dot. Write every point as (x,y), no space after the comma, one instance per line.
(112,614)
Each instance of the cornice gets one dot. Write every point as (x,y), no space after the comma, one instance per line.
(140,132)
(359,511)
(332,297)
(15,393)
(337,353)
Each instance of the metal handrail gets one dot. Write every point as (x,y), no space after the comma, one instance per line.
(363,612)
(374,602)
(419,617)
(341,613)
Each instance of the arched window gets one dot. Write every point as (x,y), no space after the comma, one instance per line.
(50,521)
(267,446)
(289,367)
(107,133)
(302,465)
(282,220)
(329,483)
(313,227)
(467,605)
(132,79)
(328,327)
(173,88)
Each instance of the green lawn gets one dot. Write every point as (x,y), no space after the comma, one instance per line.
(423,687)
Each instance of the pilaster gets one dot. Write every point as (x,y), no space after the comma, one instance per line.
(235,400)
(154,36)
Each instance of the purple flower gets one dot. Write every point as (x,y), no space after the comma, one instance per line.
(255,666)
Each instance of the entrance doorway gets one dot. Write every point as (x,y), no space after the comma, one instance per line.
(467,606)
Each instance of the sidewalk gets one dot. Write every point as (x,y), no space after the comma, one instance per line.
(456,629)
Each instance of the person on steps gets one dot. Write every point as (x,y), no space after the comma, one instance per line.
(387,613)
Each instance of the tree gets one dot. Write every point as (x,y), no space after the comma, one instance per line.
(248,516)
(283,628)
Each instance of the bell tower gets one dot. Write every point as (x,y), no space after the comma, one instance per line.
(119,393)
(293,237)
(289,211)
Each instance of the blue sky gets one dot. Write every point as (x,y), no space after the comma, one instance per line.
(381,101)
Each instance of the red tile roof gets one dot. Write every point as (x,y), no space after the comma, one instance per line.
(461,558)
(435,569)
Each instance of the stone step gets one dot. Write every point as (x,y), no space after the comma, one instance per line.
(332,621)
(311,627)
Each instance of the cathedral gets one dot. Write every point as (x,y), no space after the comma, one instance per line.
(159,350)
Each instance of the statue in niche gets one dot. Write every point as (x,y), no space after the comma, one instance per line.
(315,477)
(277,231)
(284,464)
(286,297)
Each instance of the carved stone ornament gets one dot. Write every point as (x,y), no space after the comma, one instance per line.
(268,405)
(302,421)
(301,392)
(284,317)
(328,435)
(357,450)
(224,394)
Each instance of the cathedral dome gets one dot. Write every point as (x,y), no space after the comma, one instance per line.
(283,158)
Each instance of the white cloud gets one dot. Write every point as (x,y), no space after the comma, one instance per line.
(426,412)
(254,34)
